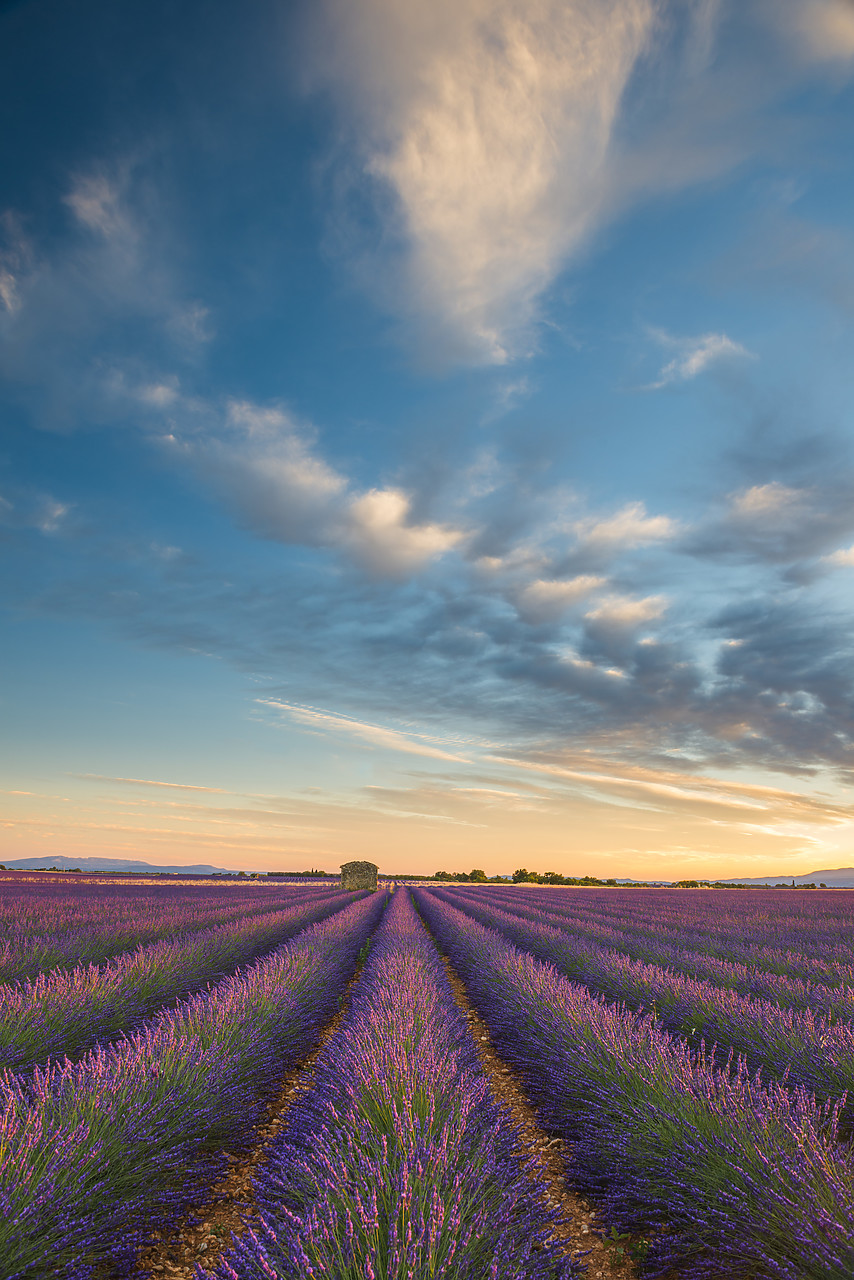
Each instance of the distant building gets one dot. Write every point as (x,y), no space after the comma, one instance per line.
(359,875)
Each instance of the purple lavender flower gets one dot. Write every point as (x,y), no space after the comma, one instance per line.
(726,1175)
(399,1164)
(97,1154)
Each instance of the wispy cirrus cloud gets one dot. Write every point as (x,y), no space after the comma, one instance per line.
(497,138)
(489,125)
(149,782)
(694,355)
(375,735)
(609,777)
(88,303)
(821,29)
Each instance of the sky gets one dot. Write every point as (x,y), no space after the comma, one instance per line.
(427,434)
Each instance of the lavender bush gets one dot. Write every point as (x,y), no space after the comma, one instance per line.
(97,1154)
(399,1164)
(59,925)
(797,1046)
(730,1177)
(68,1011)
(811,939)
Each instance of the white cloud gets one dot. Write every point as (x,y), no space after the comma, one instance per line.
(843,557)
(158,394)
(269,469)
(283,488)
(764,501)
(629,527)
(379,535)
(97,203)
(623,612)
(545,601)
(78,315)
(8,290)
(148,782)
(694,355)
(34,511)
(491,128)
(51,515)
(490,122)
(823,29)
(16,261)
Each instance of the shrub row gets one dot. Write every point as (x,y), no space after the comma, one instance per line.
(98,1154)
(728,1177)
(399,1164)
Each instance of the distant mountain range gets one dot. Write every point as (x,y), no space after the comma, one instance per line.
(102,864)
(837,878)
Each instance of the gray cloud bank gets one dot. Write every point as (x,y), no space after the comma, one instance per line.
(620,632)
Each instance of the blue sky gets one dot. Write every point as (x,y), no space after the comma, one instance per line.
(427,433)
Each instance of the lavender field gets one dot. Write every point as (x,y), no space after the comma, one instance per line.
(458,1082)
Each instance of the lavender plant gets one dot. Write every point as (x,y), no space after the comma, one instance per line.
(811,941)
(728,1177)
(399,1164)
(97,1154)
(60,926)
(797,1046)
(835,1002)
(68,1011)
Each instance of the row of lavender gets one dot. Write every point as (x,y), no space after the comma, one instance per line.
(809,935)
(813,919)
(799,1046)
(725,1176)
(398,1163)
(654,945)
(67,1011)
(55,924)
(98,1154)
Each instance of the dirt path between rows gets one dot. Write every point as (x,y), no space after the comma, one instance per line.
(222,1211)
(547,1153)
(206,1230)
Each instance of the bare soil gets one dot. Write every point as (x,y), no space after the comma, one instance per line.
(548,1155)
(223,1211)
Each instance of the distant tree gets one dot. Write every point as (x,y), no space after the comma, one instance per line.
(242,873)
(477,877)
(821,886)
(552,877)
(443,875)
(611,882)
(520,876)
(687,884)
